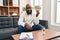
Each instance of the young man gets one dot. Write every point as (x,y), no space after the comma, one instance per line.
(29,20)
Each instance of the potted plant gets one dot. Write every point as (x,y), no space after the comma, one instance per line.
(24,8)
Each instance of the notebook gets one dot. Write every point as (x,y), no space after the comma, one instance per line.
(26,36)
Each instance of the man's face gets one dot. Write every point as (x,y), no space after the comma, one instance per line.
(28,9)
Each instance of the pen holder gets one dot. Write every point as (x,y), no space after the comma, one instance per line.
(43,31)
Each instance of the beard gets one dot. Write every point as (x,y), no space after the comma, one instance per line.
(29,12)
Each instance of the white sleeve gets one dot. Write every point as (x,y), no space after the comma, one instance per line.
(36,19)
(20,22)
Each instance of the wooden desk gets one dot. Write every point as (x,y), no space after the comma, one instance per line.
(51,34)
(38,35)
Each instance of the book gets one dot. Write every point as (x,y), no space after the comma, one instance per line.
(1,2)
(0,12)
(4,2)
(15,2)
(26,36)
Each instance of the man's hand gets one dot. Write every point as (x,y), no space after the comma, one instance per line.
(28,26)
(37,13)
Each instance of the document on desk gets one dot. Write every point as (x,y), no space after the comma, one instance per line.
(26,36)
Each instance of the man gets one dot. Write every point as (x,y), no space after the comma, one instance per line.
(29,21)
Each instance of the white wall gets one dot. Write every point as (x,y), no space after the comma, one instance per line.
(22,4)
(47,10)
(47,14)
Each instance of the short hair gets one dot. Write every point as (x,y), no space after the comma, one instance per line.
(28,6)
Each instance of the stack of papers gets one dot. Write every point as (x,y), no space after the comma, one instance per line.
(26,36)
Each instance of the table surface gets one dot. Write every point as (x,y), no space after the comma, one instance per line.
(49,34)
(38,35)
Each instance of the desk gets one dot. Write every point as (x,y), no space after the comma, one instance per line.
(51,34)
(38,35)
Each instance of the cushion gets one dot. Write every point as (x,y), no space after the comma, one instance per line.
(15,21)
(6,22)
(5,33)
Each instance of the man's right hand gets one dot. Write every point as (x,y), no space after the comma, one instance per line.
(28,26)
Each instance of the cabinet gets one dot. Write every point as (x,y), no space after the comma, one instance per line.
(9,7)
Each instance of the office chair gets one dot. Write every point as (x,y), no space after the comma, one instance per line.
(44,23)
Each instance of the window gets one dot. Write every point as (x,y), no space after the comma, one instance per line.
(58,12)
(40,3)
(55,13)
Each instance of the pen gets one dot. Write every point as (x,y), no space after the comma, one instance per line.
(28,35)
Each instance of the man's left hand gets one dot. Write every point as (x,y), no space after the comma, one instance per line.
(37,13)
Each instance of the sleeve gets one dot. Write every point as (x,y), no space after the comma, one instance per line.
(20,21)
(36,19)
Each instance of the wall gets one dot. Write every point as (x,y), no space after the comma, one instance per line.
(47,14)
(47,10)
(22,4)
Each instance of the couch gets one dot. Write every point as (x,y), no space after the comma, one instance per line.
(9,26)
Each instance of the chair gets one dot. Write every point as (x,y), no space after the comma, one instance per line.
(44,23)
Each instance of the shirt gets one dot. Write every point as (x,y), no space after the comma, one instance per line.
(30,19)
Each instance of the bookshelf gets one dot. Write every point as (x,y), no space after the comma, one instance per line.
(9,7)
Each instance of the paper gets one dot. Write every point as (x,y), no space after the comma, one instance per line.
(28,35)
